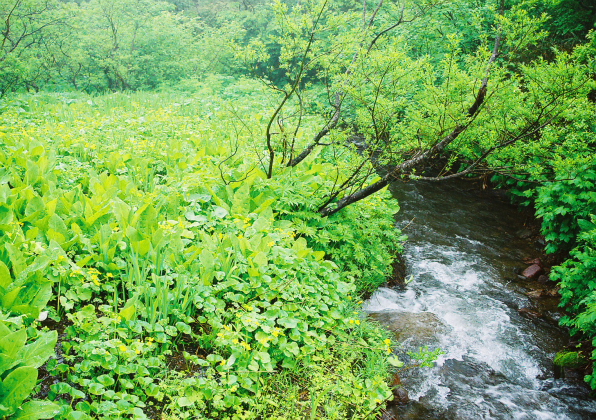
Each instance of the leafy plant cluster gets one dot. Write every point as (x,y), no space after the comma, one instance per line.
(179,290)
(22,351)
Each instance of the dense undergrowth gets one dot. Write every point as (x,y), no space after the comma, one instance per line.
(149,270)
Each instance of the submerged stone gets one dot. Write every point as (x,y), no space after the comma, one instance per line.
(420,326)
(532,271)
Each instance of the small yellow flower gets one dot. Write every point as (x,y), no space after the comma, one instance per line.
(387,341)
(123,348)
(137,351)
(351,321)
(234,388)
(357,322)
(270,244)
(110,275)
(246,346)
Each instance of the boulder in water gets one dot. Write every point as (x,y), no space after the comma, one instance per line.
(532,271)
(400,396)
(543,278)
(419,326)
(524,233)
(529,313)
(543,293)
(537,294)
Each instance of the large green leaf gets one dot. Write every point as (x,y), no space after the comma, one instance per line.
(145,218)
(17,259)
(207,264)
(8,300)
(35,410)
(36,353)
(10,346)
(5,277)
(32,297)
(17,386)
(129,310)
(34,208)
(6,215)
(241,200)
(57,225)
(92,218)
(141,247)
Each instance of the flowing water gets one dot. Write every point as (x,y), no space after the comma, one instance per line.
(464,298)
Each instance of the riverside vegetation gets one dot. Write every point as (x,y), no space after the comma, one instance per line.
(191,194)
(117,223)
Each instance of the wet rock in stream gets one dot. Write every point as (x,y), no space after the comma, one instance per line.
(532,271)
(421,327)
(543,293)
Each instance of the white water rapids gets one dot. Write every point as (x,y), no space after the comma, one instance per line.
(461,253)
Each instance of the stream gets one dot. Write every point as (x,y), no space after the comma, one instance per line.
(463,298)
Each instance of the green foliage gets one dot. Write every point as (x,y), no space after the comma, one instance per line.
(20,356)
(184,291)
(363,241)
(569,359)
(148,222)
(111,368)
(102,45)
(578,281)
(564,204)
(570,20)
